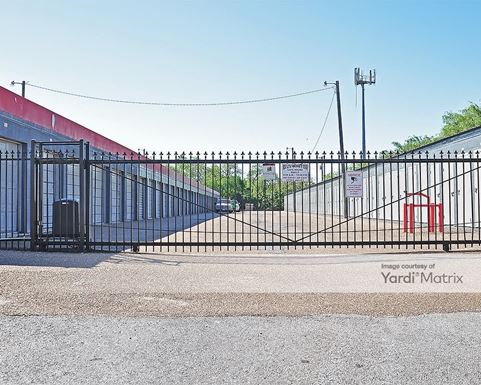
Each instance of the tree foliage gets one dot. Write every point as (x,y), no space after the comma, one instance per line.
(453,123)
(456,122)
(412,143)
(245,184)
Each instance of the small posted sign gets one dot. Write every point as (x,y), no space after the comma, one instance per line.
(353,183)
(295,172)
(269,171)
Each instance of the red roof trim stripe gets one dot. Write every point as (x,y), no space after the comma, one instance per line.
(32,112)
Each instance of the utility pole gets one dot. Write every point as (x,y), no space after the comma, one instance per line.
(23,83)
(339,120)
(341,139)
(362,80)
(339,123)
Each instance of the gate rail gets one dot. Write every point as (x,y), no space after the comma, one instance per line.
(86,200)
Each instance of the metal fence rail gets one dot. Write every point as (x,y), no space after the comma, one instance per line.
(82,199)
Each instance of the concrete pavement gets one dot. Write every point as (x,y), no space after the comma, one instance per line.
(430,349)
(266,318)
(222,284)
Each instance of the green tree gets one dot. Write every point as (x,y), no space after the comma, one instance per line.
(453,123)
(413,142)
(226,179)
(456,122)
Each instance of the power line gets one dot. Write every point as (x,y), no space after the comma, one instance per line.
(325,122)
(179,104)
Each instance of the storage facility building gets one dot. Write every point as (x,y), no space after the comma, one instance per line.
(118,194)
(447,171)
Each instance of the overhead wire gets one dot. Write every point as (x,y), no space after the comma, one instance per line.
(151,103)
(325,122)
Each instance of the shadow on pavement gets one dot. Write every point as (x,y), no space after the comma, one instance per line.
(52,259)
(177,259)
(136,231)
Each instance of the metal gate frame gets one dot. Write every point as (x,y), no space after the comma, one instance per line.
(455,162)
(40,238)
(451,178)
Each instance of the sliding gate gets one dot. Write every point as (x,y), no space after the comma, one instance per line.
(84,200)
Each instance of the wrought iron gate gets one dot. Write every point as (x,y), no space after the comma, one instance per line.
(85,200)
(59,199)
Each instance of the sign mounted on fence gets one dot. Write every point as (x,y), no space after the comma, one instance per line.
(295,172)
(269,171)
(353,183)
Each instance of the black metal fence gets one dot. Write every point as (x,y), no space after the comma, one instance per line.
(14,212)
(68,196)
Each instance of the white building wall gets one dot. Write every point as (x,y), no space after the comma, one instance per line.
(455,185)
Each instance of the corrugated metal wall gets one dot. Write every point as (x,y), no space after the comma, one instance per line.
(385,186)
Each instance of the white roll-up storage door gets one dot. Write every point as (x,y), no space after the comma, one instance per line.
(9,187)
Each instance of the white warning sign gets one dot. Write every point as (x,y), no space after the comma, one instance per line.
(353,183)
(295,172)
(269,171)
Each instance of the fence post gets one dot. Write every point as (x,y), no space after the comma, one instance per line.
(81,194)
(33,197)
(87,195)
(24,190)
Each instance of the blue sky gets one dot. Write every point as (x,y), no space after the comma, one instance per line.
(426,54)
